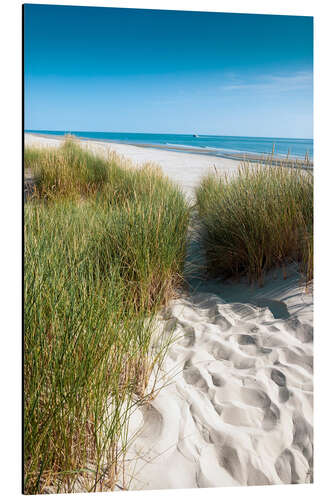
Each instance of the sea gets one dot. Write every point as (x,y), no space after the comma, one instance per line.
(215,145)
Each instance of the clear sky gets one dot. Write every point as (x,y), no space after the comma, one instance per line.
(130,70)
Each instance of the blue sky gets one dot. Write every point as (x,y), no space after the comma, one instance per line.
(129,70)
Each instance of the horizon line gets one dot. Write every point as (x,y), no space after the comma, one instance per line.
(167,133)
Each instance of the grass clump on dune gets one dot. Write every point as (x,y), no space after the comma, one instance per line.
(99,261)
(77,339)
(145,233)
(145,214)
(256,220)
(66,172)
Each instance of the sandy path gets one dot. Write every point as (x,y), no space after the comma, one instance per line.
(237,408)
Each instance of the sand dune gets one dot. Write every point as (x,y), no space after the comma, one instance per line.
(236,402)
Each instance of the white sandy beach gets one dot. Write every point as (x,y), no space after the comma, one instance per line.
(237,406)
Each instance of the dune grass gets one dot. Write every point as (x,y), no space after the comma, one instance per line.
(103,251)
(66,172)
(256,220)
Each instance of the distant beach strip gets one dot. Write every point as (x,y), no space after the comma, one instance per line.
(254,149)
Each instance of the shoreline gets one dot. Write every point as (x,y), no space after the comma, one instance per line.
(236,156)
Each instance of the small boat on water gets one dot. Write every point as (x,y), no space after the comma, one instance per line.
(195,135)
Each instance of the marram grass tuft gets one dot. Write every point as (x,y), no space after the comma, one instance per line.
(256,220)
(104,249)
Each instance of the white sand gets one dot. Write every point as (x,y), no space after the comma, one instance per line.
(237,409)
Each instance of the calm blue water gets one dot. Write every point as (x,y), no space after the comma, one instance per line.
(216,145)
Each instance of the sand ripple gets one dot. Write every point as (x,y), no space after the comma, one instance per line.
(239,408)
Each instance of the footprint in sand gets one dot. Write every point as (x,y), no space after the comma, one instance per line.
(255,397)
(271,418)
(296,356)
(256,477)
(246,340)
(248,344)
(229,460)
(302,331)
(232,355)
(153,422)
(219,351)
(220,320)
(285,468)
(284,394)
(189,336)
(217,380)
(193,377)
(280,379)
(303,436)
